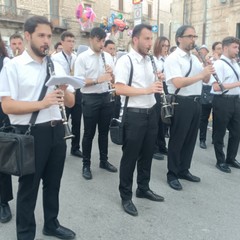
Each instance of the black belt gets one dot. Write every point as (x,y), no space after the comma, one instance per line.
(141,110)
(227,96)
(195,98)
(52,123)
(95,94)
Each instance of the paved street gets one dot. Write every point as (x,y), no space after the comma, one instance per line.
(202,211)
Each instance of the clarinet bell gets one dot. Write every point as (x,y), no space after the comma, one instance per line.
(67,131)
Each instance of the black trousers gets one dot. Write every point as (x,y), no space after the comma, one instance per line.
(206,110)
(183,135)
(76,116)
(6,194)
(226,111)
(50,153)
(97,111)
(140,132)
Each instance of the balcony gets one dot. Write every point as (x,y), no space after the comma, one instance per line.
(59,23)
(13,15)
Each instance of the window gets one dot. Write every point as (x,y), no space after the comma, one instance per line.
(161,26)
(120,5)
(149,11)
(54,9)
(238,30)
(10,3)
(10,6)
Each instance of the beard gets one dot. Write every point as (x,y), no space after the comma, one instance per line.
(142,51)
(38,52)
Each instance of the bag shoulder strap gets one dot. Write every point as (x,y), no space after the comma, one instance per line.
(50,67)
(231,67)
(187,74)
(129,84)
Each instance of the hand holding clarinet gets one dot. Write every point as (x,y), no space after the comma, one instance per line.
(209,70)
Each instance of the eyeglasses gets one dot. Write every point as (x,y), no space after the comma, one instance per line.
(164,45)
(190,36)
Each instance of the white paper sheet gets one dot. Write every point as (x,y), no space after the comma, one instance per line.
(76,82)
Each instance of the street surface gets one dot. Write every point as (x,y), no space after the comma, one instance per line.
(208,210)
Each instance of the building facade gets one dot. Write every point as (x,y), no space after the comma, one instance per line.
(62,14)
(212,19)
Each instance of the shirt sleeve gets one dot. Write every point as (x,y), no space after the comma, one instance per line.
(79,69)
(172,68)
(9,81)
(122,70)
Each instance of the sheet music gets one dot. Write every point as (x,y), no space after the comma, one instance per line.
(76,82)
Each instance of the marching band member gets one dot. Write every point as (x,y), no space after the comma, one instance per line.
(184,76)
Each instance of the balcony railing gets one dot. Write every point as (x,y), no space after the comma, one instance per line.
(58,22)
(13,14)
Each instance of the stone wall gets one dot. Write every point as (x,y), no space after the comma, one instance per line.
(220,18)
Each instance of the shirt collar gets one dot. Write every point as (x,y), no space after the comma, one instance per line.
(26,58)
(91,52)
(232,61)
(182,53)
(138,56)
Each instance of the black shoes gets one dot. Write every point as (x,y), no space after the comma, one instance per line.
(175,184)
(5,213)
(223,167)
(189,177)
(158,156)
(86,172)
(107,166)
(61,232)
(149,194)
(233,163)
(129,207)
(203,145)
(77,153)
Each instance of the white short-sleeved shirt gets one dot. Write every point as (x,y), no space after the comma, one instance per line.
(177,64)
(90,65)
(226,74)
(22,79)
(143,77)
(66,61)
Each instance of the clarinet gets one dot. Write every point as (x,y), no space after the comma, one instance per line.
(166,106)
(67,132)
(110,89)
(223,90)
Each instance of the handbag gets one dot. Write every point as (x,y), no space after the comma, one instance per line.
(17,155)
(206,96)
(16,152)
(116,125)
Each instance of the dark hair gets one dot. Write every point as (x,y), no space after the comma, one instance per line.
(32,22)
(56,45)
(172,49)
(98,33)
(138,29)
(215,44)
(66,34)
(3,50)
(108,42)
(229,40)
(180,32)
(157,48)
(15,36)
